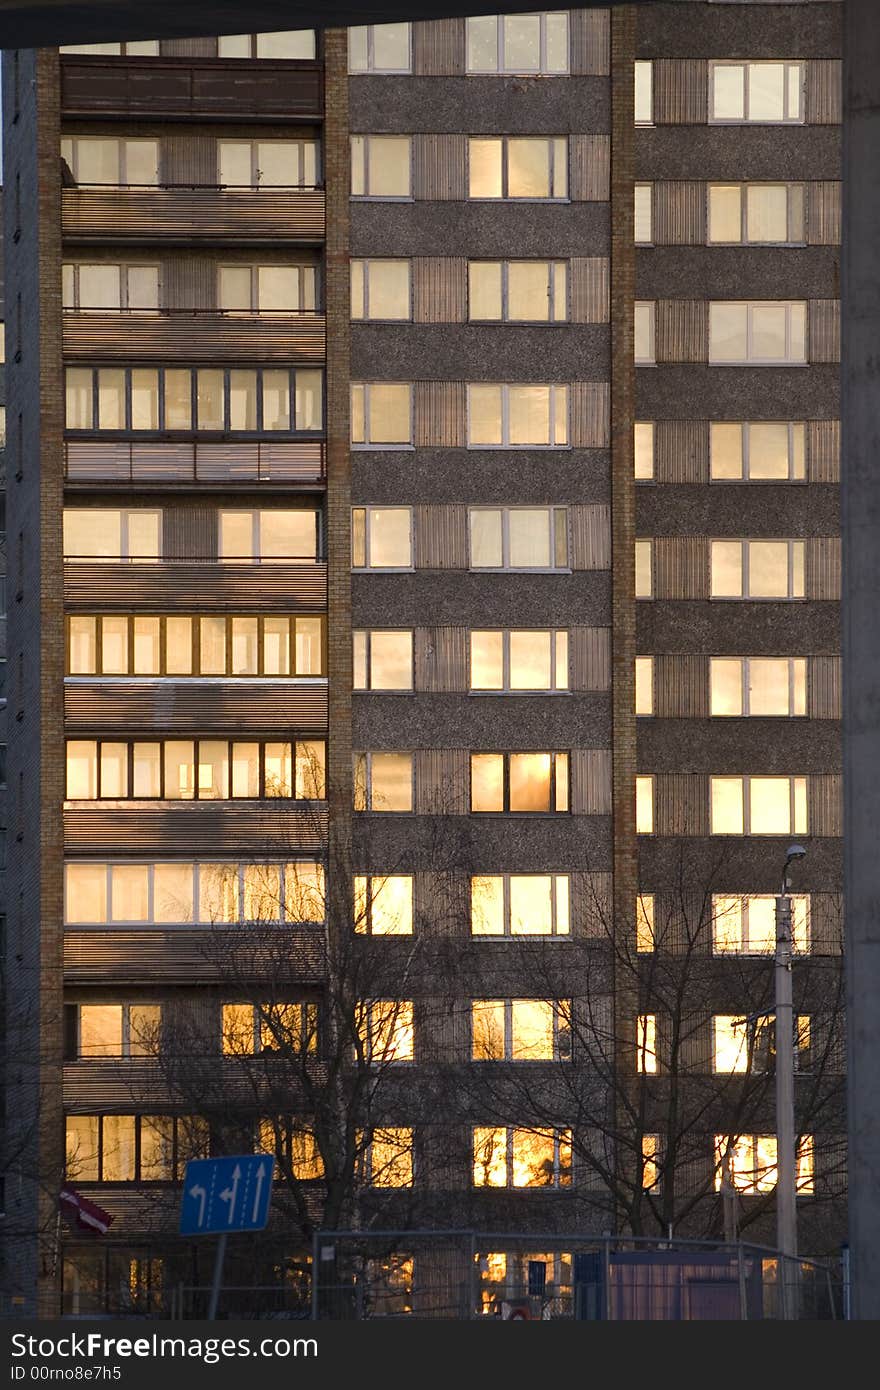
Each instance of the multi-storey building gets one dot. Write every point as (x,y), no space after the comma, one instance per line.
(426,454)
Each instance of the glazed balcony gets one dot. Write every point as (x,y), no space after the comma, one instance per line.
(188,215)
(295,337)
(190,89)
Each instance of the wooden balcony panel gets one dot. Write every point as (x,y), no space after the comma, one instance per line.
(254,707)
(195,587)
(147,1085)
(180,955)
(293,463)
(191,88)
(207,337)
(191,216)
(237,829)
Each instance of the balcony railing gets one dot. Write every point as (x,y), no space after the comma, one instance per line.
(176,955)
(98,706)
(272,828)
(191,88)
(299,462)
(200,335)
(193,585)
(190,214)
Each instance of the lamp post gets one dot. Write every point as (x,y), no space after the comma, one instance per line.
(786,1157)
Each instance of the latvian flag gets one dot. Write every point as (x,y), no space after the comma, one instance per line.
(85,1215)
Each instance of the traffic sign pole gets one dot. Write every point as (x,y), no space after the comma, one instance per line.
(218,1277)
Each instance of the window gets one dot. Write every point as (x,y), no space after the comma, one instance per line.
(381,415)
(646,1043)
(188,399)
(520,1030)
(134,288)
(644,558)
(118,1030)
(519,660)
(746,925)
(643,214)
(518,43)
(764,333)
(508,1157)
(136,48)
(646,935)
(184,894)
(267,1028)
(757,569)
(383,781)
(379,48)
(757,214)
(261,289)
(644,95)
(381,166)
(767,93)
(530,782)
(651,1168)
(195,769)
(644,685)
(95,160)
(751,1159)
(383,905)
(132,1148)
(747,1045)
(381,538)
(380,290)
(92,533)
(253,164)
(758,685)
(644,805)
(644,332)
(518,291)
(757,451)
(518,538)
(385,1030)
(509,417)
(268,535)
(512,166)
(520,905)
(387,1158)
(383,660)
(288,43)
(294,1145)
(182,645)
(758,805)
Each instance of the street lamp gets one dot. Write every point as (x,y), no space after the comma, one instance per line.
(786,1157)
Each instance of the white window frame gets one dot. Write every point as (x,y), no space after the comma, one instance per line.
(745,782)
(367,634)
(542,69)
(745,685)
(556,880)
(745,596)
(506,316)
(647,70)
(640,543)
(747,65)
(649,428)
(643,193)
(645,787)
(125,515)
(367,139)
(365,263)
(366,387)
(124,268)
(558,519)
(750,360)
(365,757)
(134,48)
(559,405)
(562,1045)
(800,944)
(554,145)
(256,556)
(796,430)
(69,152)
(645,310)
(367,514)
(299,145)
(646,923)
(744,190)
(559,639)
(371,65)
(256,309)
(255,45)
(646,665)
(196,866)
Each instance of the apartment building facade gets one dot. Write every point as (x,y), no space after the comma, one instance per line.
(425,454)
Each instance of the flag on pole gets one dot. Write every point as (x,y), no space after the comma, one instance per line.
(85,1215)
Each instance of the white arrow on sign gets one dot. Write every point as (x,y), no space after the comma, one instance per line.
(230,1194)
(261,1174)
(203,1197)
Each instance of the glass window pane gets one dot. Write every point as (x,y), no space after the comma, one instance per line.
(530,905)
(643,214)
(292,43)
(146,646)
(799,666)
(530,660)
(487,906)
(173,893)
(391,782)
(111,399)
(487,661)
(236,536)
(244,647)
(487,781)
(522,43)
(726,686)
(530,781)
(531,1036)
(114,769)
(391,905)
(279,769)
(117,1148)
(309,400)
(246,769)
(484,290)
(768,685)
(178,398)
(276,646)
(234,163)
(276,400)
(388,289)
(766,91)
(279,288)
(725,212)
(487,1030)
(529,532)
(146,770)
(97,161)
(82,770)
(213,770)
(91,533)
(391,660)
(262,892)
(100,1030)
(644,805)
(78,398)
(388,166)
(178,646)
(309,647)
(243,400)
(484,168)
(529,414)
(157,1148)
(643,444)
(528,168)
(143,535)
(389,407)
(212,646)
(728,332)
(209,398)
(768,569)
(726,569)
(288,535)
(728,92)
(770,805)
(768,332)
(142,162)
(390,545)
(767,212)
(482,43)
(143,287)
(644,685)
(85,893)
(82,660)
(644,106)
(726,449)
(484,415)
(727,806)
(130,888)
(797,317)
(114,645)
(486,539)
(234,288)
(556,41)
(277,163)
(528,290)
(99,287)
(218,893)
(179,770)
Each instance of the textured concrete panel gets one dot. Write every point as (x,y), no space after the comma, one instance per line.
(739,629)
(716,31)
(480,105)
(721,746)
(738,509)
(480,475)
(737,393)
(480,352)
(481,721)
(738,152)
(479,229)
(738,272)
(409,600)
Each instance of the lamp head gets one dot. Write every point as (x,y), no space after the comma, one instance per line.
(794,852)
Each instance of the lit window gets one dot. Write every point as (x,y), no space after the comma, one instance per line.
(520,1030)
(379,48)
(646,937)
(643,449)
(269,1028)
(134,48)
(180,894)
(751,1162)
(381,415)
(383,906)
(762,332)
(183,645)
(644,558)
(381,166)
(385,1030)
(520,905)
(756,214)
(644,685)
(644,229)
(519,660)
(510,166)
(186,399)
(644,332)
(741,93)
(518,43)
(288,43)
(757,569)
(509,417)
(383,781)
(107,286)
(757,451)
(274,534)
(95,160)
(518,291)
(758,685)
(518,538)
(644,805)
(519,782)
(295,1147)
(650,1162)
(383,660)
(92,533)
(746,925)
(118,1030)
(261,289)
(644,96)
(646,1043)
(267,163)
(759,805)
(380,289)
(381,538)
(507,1157)
(388,1158)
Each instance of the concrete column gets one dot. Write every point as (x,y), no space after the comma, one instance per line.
(860,415)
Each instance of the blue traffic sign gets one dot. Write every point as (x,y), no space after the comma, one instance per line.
(226,1194)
